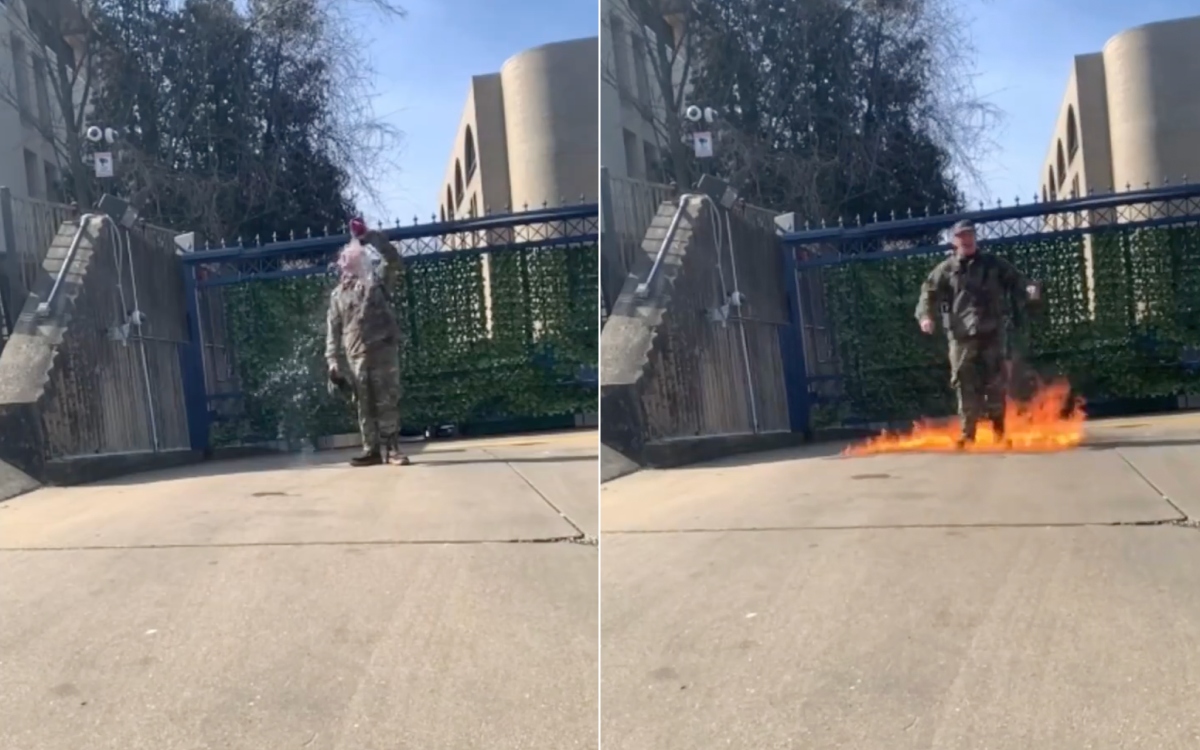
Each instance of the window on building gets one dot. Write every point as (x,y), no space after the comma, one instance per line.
(641,60)
(632,168)
(41,89)
(458,183)
(1052,183)
(1062,164)
(449,203)
(33,175)
(1075,187)
(442,213)
(1043,193)
(474,210)
(469,152)
(1072,133)
(619,36)
(20,60)
(54,190)
(653,163)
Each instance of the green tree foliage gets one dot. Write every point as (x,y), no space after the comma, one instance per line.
(831,107)
(240,120)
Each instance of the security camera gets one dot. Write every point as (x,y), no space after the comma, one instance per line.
(137,318)
(111,135)
(694,113)
(710,114)
(95,134)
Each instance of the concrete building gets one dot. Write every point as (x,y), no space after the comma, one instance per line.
(1130,115)
(528,134)
(631,104)
(29,163)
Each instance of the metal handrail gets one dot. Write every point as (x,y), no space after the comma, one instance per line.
(43,308)
(643,289)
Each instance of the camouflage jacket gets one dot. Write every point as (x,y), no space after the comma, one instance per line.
(972,294)
(361,320)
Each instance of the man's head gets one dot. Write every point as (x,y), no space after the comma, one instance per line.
(962,236)
(354,262)
(358,228)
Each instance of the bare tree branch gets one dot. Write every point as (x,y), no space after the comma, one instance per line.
(834,106)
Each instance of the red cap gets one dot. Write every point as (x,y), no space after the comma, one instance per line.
(358,227)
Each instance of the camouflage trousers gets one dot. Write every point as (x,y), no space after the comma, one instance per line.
(979,376)
(377,390)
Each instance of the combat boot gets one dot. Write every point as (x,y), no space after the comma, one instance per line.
(392,454)
(367,458)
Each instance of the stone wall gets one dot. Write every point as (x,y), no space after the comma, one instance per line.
(681,374)
(83,393)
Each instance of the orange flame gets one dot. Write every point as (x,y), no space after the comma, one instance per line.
(1050,421)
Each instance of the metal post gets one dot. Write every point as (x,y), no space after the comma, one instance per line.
(741,323)
(191,357)
(140,337)
(610,286)
(12,286)
(791,345)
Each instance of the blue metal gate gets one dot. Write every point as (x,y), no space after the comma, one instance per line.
(1121,319)
(502,315)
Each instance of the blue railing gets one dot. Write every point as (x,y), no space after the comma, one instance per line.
(522,286)
(1122,267)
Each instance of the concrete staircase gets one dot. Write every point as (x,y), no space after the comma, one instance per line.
(28,360)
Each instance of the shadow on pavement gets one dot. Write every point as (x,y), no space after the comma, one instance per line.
(823,450)
(421,456)
(419,461)
(1103,443)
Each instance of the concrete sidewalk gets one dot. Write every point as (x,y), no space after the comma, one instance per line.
(296,602)
(802,600)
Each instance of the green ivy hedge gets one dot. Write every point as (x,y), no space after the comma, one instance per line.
(1127,329)
(460,365)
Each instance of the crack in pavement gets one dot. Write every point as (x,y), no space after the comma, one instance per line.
(579,530)
(1183,516)
(1182,522)
(577,539)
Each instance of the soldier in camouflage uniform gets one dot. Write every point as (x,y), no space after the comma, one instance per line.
(362,325)
(971,291)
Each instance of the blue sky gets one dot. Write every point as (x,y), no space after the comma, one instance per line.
(424,64)
(1024,52)
(425,61)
